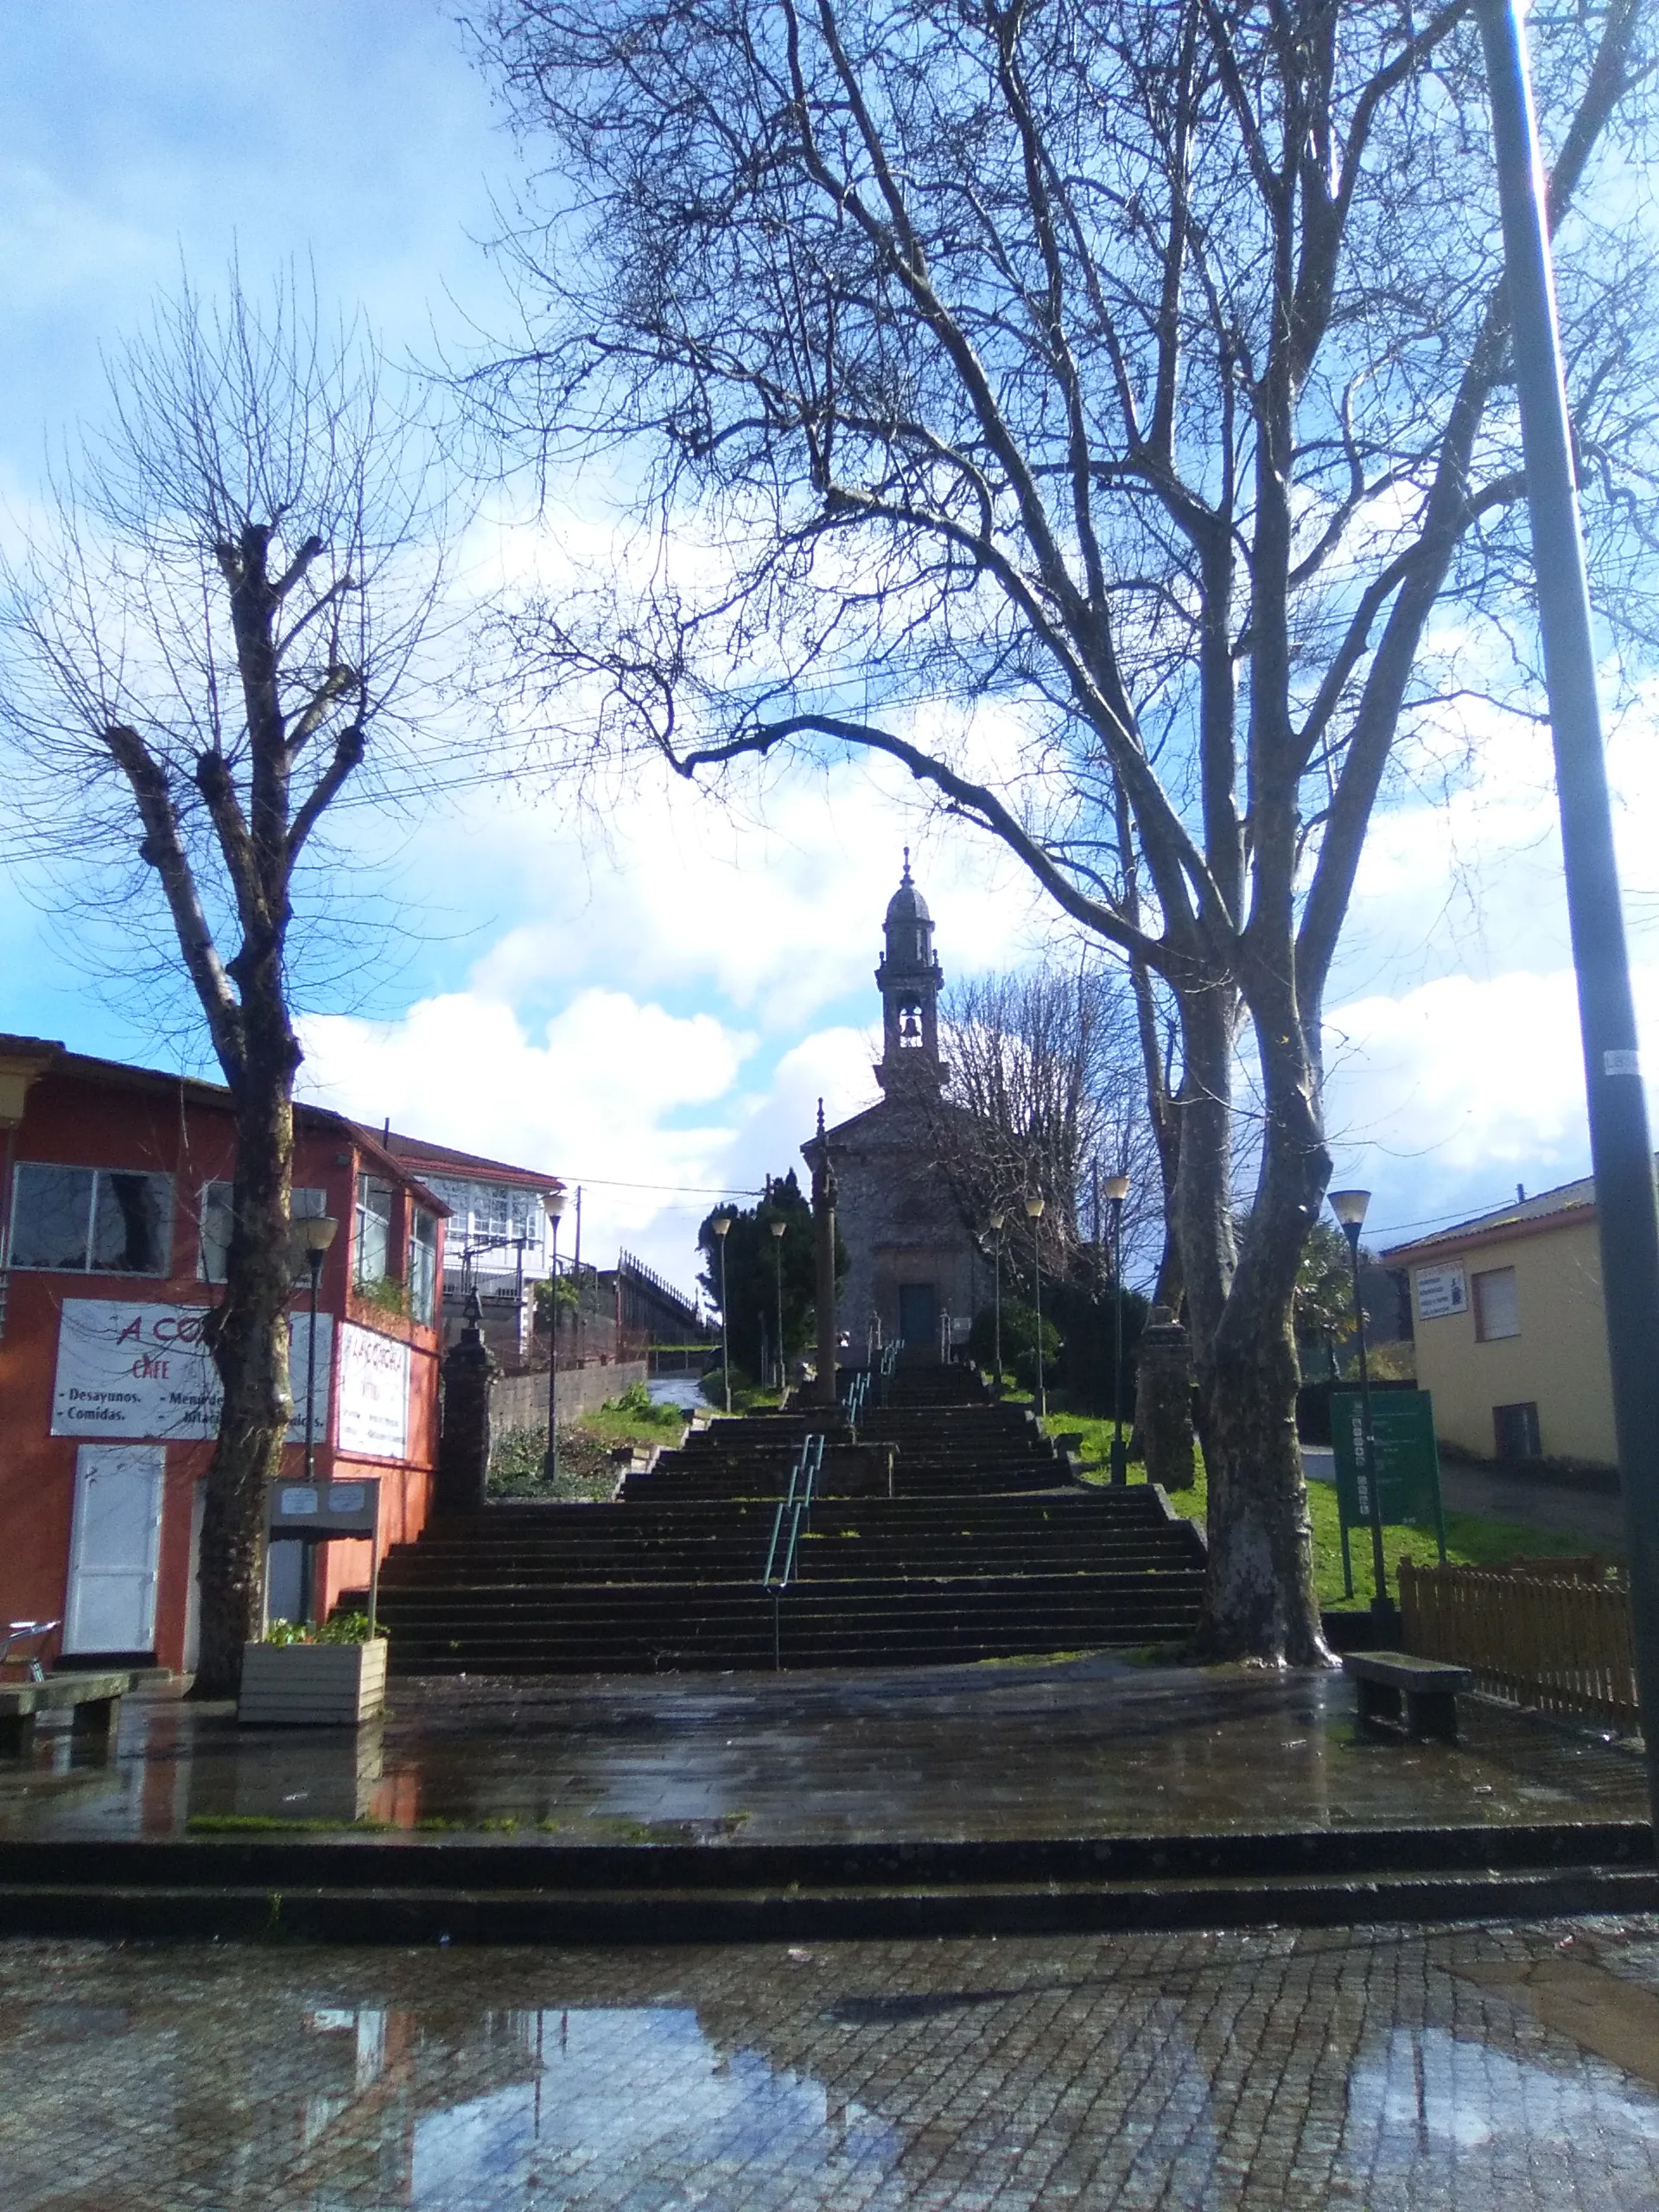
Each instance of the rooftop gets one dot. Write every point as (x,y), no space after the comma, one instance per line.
(1544,1206)
(444,1159)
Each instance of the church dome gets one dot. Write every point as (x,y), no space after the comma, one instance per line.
(907,903)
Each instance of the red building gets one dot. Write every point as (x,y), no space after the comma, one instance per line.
(115,1225)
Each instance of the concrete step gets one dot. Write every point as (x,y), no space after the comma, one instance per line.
(420,1890)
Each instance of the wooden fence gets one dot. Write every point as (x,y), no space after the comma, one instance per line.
(1560,1643)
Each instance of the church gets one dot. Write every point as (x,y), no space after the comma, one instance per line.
(915,1272)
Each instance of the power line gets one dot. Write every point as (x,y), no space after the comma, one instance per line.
(689,1190)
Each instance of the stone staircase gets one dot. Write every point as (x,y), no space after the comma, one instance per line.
(948,1529)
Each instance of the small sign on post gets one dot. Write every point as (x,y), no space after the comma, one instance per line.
(1404,1453)
(317,1513)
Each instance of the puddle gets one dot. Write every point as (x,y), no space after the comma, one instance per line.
(1203,2071)
(636,2107)
(1091,1747)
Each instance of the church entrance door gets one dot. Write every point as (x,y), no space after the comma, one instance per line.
(919,1316)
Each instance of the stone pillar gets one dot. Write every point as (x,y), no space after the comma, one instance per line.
(823,1223)
(1163,1401)
(469,1367)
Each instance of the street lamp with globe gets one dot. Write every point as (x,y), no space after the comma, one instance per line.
(1034,1213)
(778,1225)
(1348,1207)
(722,1226)
(314,1233)
(1117,1189)
(553,1204)
(994,1222)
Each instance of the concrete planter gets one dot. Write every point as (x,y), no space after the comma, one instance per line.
(312,1684)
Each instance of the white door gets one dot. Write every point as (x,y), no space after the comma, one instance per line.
(114,1550)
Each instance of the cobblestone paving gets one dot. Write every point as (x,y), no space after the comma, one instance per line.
(1471,2068)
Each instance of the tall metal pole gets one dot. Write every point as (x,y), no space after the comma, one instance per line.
(778,1228)
(825,1194)
(550,1464)
(1120,1458)
(1034,1214)
(309,1553)
(722,1227)
(997,1220)
(1621,1153)
(1381,1604)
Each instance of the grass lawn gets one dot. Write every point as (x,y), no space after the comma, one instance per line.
(1470,1541)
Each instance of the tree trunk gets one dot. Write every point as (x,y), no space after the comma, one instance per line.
(250,1347)
(1259,1600)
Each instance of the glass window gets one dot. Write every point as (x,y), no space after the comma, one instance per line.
(218,1212)
(423,1265)
(51,1217)
(92,1220)
(216,1215)
(373,1230)
(1498,1307)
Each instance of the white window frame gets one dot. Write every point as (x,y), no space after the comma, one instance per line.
(306,1202)
(362,1214)
(420,1266)
(89,1266)
(1484,1332)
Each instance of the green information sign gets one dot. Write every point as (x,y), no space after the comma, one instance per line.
(1406,1460)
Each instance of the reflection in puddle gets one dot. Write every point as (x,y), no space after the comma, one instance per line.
(1428,2096)
(637,2101)
(1200,2072)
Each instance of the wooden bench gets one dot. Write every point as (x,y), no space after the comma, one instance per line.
(93,1701)
(1427,1688)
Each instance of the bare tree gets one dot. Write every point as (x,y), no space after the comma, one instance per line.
(220,606)
(1047,1095)
(1136,379)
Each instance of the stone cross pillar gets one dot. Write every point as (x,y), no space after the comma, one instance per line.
(1163,1401)
(824,1221)
(469,1367)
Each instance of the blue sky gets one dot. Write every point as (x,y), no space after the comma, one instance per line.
(662,1006)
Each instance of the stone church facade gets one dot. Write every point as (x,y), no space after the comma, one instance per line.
(914,1271)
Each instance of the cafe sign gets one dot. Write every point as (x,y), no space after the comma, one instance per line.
(143,1372)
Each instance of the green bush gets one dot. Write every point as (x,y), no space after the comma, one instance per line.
(344,1628)
(636,1404)
(1018,1343)
(713,1386)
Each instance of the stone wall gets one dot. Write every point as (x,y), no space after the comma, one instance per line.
(520,1400)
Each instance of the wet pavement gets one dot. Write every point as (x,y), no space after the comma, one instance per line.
(1090,1747)
(1486,2067)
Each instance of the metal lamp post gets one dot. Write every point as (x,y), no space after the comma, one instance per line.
(1621,1156)
(315,1233)
(778,1225)
(996,1221)
(1348,1207)
(1117,1189)
(722,1226)
(1034,1213)
(554,1203)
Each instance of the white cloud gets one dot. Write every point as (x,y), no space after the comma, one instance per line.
(622,1094)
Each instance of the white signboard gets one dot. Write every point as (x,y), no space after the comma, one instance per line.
(371,1414)
(1440,1291)
(143,1371)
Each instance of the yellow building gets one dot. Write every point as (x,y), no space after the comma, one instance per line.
(1509,1330)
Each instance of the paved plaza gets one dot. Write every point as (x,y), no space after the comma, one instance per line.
(1092,1746)
(1476,2067)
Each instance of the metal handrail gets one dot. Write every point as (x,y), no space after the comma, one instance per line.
(798,1503)
(811,1461)
(889,1360)
(858,1389)
(784,1505)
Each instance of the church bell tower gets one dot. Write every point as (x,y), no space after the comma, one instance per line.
(909,980)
